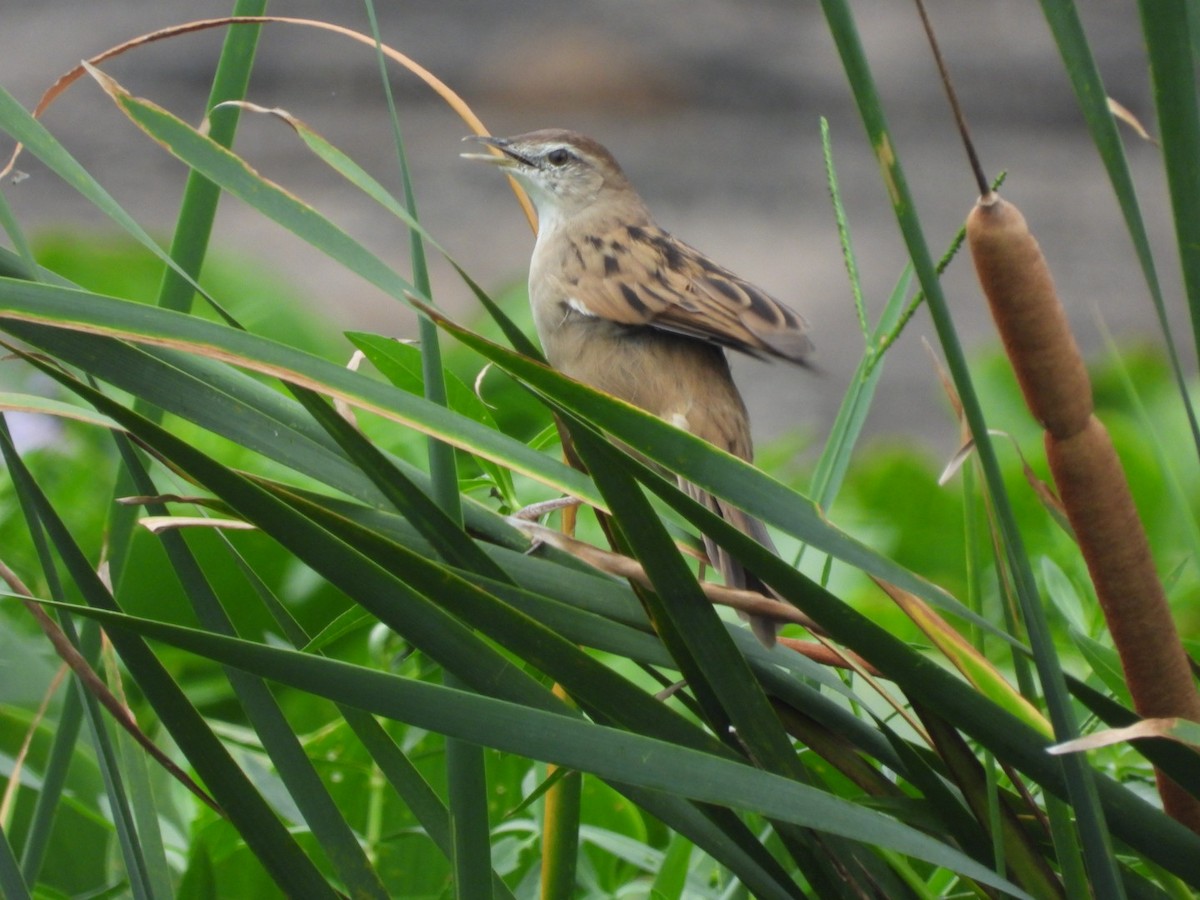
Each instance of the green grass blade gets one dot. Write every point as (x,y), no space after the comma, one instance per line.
(466,792)
(222,400)
(37,140)
(707,657)
(12,885)
(234,176)
(442,528)
(270,842)
(834,461)
(80,310)
(128,839)
(560,847)
(722,835)
(843,230)
(54,777)
(193,229)
(579,605)
(37,837)
(24,256)
(672,875)
(565,741)
(717,674)
(442,466)
(1168,29)
(198,209)
(31,403)
(124,824)
(145,809)
(279,740)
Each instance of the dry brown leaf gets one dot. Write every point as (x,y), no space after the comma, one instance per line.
(1173,729)
(159,524)
(1124,115)
(147,499)
(961,455)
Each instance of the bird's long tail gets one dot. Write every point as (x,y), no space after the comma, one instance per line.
(732,571)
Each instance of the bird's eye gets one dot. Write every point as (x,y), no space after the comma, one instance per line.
(558,156)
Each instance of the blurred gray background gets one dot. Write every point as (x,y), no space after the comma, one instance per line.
(713,108)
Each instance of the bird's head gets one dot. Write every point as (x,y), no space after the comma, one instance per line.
(565,173)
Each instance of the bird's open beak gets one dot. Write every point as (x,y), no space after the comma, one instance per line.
(506,157)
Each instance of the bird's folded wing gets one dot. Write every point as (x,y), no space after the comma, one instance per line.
(640,275)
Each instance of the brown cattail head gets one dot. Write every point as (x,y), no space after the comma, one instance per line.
(1096,496)
(1094,492)
(1029,316)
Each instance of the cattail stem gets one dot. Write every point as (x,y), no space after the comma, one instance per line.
(1087,472)
(960,120)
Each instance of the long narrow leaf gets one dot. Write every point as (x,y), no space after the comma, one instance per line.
(12,885)
(23,301)
(29,131)
(263,832)
(564,741)
(266,717)
(227,170)
(1168,30)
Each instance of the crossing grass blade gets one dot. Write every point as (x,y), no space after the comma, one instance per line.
(564,740)
(265,834)
(22,301)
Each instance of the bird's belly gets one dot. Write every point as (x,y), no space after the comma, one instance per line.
(680,379)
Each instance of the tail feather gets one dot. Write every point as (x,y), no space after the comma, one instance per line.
(732,571)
